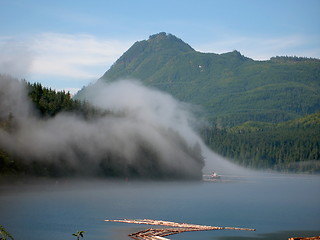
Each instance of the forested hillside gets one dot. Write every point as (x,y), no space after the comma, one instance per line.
(255,109)
(287,146)
(261,114)
(49,102)
(230,87)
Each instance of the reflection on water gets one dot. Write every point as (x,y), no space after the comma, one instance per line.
(267,202)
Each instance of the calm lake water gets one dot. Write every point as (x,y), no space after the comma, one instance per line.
(268,202)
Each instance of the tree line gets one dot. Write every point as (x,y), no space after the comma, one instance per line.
(49,102)
(290,146)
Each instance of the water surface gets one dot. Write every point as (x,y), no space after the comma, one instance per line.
(268,202)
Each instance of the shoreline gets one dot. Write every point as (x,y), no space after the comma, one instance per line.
(278,235)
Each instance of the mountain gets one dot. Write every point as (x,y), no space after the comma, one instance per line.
(230,87)
(262,114)
(145,58)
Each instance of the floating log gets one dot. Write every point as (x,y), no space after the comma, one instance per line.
(308,238)
(157,234)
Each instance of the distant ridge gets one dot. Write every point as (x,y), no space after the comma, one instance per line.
(230,87)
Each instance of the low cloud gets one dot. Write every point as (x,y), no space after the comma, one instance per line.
(146,134)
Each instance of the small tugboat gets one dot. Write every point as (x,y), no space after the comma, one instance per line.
(213,177)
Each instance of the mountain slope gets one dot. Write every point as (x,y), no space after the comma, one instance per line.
(286,146)
(142,60)
(230,87)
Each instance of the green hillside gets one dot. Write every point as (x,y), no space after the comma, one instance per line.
(261,113)
(145,58)
(289,146)
(230,87)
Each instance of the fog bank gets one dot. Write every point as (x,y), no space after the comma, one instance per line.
(146,135)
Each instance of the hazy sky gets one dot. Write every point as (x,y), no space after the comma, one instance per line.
(66,44)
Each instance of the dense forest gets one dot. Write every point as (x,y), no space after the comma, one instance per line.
(287,146)
(49,102)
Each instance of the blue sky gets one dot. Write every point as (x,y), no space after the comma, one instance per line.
(66,44)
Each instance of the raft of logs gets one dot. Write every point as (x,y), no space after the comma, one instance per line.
(308,238)
(160,233)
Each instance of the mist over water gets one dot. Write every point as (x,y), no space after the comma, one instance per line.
(268,203)
(147,133)
(151,133)
(151,107)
